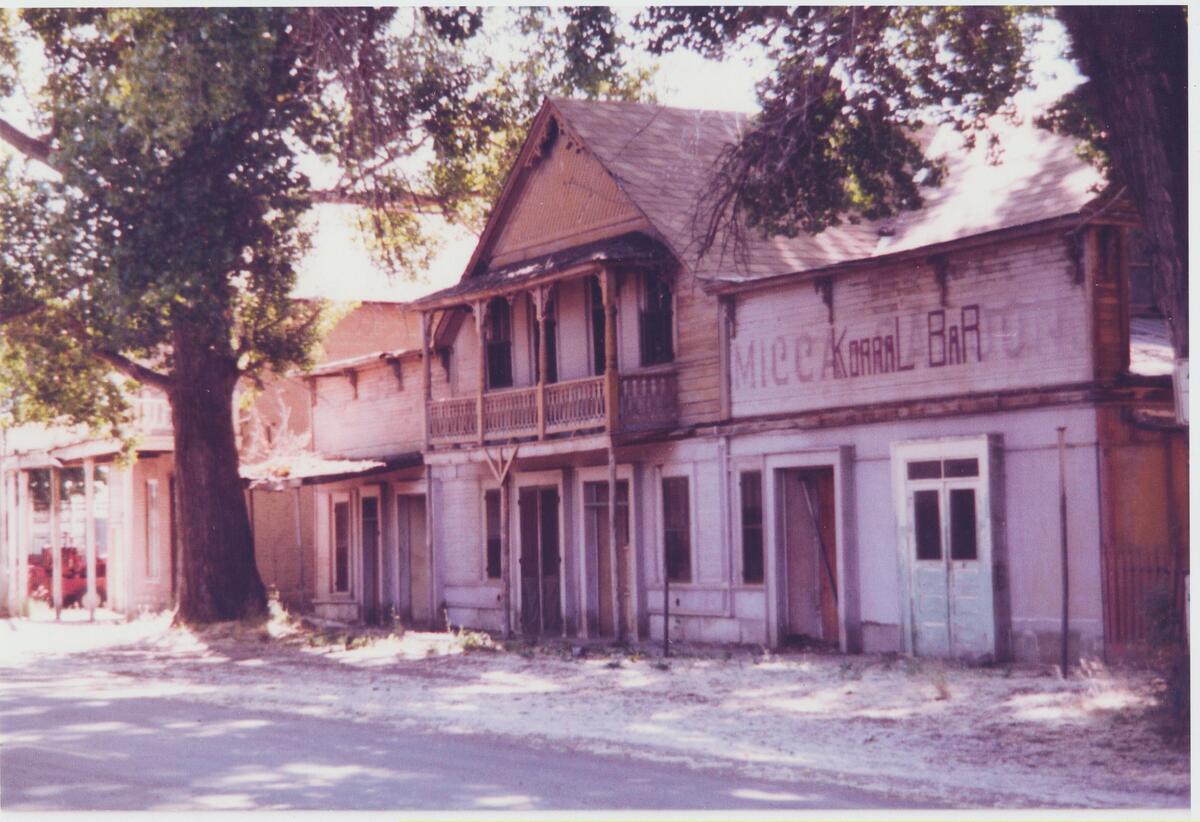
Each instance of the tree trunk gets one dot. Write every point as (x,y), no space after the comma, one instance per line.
(1136,61)
(218,577)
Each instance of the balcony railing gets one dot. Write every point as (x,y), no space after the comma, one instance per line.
(152,415)
(645,402)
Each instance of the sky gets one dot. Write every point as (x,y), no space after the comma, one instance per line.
(339,266)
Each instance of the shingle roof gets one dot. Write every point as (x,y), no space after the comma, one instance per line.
(662,158)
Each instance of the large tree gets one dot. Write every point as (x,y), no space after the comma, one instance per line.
(851,87)
(156,223)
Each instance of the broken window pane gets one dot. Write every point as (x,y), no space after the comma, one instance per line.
(752,530)
(962,468)
(963,543)
(927,524)
(925,469)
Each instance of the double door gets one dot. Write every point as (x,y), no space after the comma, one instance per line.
(948,551)
(541,558)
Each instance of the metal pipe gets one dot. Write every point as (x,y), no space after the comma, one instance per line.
(1062,512)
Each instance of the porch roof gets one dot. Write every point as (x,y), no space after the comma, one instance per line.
(627,248)
(334,367)
(311,469)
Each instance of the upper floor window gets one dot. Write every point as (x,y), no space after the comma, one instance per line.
(497,334)
(655,322)
(596,311)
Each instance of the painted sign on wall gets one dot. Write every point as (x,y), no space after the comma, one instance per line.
(1007,319)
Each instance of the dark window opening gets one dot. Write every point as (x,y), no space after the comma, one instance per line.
(655,321)
(491,504)
(677,529)
(341,547)
(927,522)
(963,534)
(962,468)
(925,469)
(596,297)
(752,527)
(497,333)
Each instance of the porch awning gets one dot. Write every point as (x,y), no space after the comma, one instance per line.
(310,469)
(628,248)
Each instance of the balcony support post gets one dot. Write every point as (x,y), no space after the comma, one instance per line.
(539,307)
(608,287)
(426,368)
(480,309)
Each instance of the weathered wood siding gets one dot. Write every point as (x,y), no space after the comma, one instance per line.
(384,418)
(1012,316)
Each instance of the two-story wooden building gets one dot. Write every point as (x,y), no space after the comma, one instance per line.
(83,528)
(851,438)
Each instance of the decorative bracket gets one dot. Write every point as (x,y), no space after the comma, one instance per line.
(824,287)
(941,272)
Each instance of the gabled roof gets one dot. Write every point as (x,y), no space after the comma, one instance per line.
(662,157)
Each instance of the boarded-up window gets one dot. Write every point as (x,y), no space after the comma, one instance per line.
(497,332)
(927,522)
(752,527)
(677,529)
(341,547)
(491,505)
(655,321)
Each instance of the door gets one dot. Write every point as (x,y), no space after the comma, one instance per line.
(949,554)
(810,554)
(541,610)
(410,528)
(368,512)
(613,584)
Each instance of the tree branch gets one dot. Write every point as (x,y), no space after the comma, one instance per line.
(32,147)
(131,368)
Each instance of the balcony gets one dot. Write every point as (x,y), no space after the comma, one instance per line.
(645,402)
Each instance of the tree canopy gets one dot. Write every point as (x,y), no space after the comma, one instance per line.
(178,147)
(850,89)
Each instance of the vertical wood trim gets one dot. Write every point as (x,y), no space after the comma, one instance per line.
(725,309)
(618,596)
(89,534)
(426,374)
(539,307)
(505,584)
(612,381)
(480,309)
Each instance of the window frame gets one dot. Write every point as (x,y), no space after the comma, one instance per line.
(687,475)
(741,473)
(337,498)
(486,491)
(668,283)
(152,533)
(488,341)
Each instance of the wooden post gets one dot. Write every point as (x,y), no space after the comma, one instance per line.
(1062,512)
(619,593)
(505,582)
(92,598)
(539,307)
(426,377)
(299,541)
(480,312)
(608,287)
(55,546)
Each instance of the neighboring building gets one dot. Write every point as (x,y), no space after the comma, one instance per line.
(850,438)
(65,494)
(332,458)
